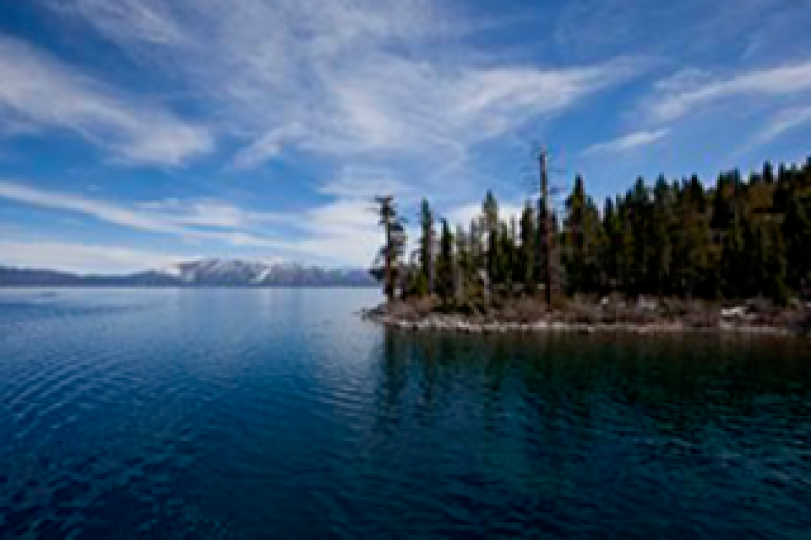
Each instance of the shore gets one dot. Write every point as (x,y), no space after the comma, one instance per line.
(642,316)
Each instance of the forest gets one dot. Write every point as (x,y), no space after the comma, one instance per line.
(739,239)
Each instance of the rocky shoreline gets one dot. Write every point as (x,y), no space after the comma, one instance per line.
(639,318)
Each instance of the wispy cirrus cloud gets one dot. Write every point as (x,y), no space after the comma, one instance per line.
(783,122)
(780,123)
(351,80)
(339,232)
(682,95)
(190,221)
(39,92)
(366,183)
(626,142)
(81,257)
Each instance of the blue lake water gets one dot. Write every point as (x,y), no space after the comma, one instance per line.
(280,414)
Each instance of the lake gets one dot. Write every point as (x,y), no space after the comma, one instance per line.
(281,414)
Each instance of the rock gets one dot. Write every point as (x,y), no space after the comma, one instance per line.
(647,304)
(738,311)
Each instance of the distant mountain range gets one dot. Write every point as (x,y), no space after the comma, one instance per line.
(202,273)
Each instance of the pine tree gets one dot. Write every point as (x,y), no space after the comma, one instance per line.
(506,257)
(463,269)
(493,257)
(662,255)
(796,232)
(426,247)
(627,248)
(722,207)
(611,248)
(740,239)
(477,250)
(636,246)
(768,173)
(783,191)
(574,237)
(392,250)
(491,226)
(490,212)
(528,251)
(445,265)
(775,270)
(582,238)
(732,259)
(691,242)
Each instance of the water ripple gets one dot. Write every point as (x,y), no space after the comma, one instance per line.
(242,414)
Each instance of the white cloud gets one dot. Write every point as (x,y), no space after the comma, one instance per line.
(269,145)
(366,183)
(111,213)
(344,231)
(388,95)
(341,232)
(783,122)
(173,219)
(81,258)
(777,125)
(674,101)
(149,22)
(626,142)
(40,92)
(210,213)
(346,79)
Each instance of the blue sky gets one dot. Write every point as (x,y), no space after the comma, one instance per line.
(136,133)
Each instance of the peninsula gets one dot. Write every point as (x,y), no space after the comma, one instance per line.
(670,257)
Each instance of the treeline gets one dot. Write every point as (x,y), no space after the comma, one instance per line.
(743,238)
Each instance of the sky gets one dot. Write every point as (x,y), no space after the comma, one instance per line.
(138,133)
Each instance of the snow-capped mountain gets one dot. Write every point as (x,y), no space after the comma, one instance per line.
(203,273)
(218,271)
(234,272)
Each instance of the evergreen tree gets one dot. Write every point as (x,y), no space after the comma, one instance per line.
(627,249)
(635,250)
(445,265)
(796,232)
(493,257)
(722,202)
(732,259)
(783,191)
(611,247)
(768,173)
(464,267)
(387,268)
(574,237)
(662,253)
(691,242)
(505,261)
(477,249)
(740,239)
(581,240)
(491,226)
(426,246)
(775,270)
(528,250)
(490,212)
